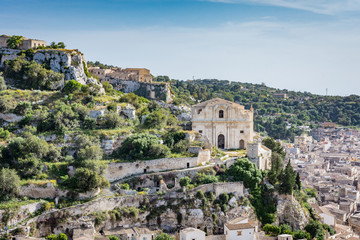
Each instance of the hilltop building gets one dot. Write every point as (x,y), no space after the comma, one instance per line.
(26,43)
(127,74)
(227,125)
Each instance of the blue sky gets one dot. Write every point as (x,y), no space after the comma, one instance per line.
(305,45)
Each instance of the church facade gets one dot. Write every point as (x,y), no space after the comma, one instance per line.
(227,125)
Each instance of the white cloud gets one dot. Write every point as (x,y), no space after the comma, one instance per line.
(317,6)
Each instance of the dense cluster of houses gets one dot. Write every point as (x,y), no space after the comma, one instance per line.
(329,161)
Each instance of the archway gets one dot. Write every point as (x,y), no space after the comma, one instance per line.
(221,141)
(242,144)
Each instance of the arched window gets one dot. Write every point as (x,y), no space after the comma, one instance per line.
(221,114)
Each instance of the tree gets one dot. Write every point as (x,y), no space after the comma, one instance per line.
(113,120)
(142,146)
(184,181)
(287,180)
(315,229)
(163,236)
(29,166)
(272,229)
(298,181)
(246,171)
(277,164)
(14,42)
(157,119)
(86,180)
(61,45)
(9,184)
(4,134)
(2,83)
(274,146)
(72,86)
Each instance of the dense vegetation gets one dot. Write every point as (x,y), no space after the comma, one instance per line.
(272,114)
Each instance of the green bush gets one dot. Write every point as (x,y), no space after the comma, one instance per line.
(32,75)
(113,120)
(142,146)
(9,184)
(184,181)
(86,180)
(272,229)
(71,86)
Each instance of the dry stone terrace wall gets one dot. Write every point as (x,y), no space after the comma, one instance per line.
(116,171)
(107,204)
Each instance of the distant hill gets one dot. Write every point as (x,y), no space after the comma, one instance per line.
(273,115)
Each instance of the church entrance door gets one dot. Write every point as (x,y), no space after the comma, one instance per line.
(221,141)
(242,144)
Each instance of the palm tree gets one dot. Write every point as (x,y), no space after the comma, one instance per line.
(14,42)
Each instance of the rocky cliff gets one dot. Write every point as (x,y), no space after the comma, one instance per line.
(71,63)
(289,211)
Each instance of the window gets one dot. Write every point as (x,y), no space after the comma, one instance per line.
(144,238)
(199,111)
(239,233)
(200,131)
(221,114)
(242,131)
(145,170)
(187,165)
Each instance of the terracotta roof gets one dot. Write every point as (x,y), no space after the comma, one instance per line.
(238,226)
(190,229)
(143,230)
(119,231)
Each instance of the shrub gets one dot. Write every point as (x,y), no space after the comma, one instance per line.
(184,181)
(181,146)
(86,180)
(9,184)
(272,229)
(157,119)
(113,120)
(52,237)
(2,83)
(71,86)
(202,178)
(4,134)
(163,236)
(142,146)
(89,123)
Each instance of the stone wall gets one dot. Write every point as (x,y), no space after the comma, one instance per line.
(116,171)
(48,191)
(218,188)
(20,214)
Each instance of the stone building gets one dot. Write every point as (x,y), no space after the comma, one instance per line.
(260,155)
(227,125)
(127,74)
(26,42)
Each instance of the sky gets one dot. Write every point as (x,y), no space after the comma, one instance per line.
(301,45)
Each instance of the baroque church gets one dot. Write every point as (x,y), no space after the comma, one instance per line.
(229,125)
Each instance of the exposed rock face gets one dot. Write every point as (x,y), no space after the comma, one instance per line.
(70,63)
(14,216)
(290,212)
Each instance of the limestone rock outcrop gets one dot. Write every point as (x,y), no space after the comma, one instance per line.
(289,211)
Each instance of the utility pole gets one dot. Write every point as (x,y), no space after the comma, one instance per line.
(326,92)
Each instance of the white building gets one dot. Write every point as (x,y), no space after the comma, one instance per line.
(327,217)
(227,125)
(240,229)
(285,237)
(260,155)
(192,234)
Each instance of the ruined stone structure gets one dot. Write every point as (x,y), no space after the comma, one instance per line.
(26,43)
(133,74)
(227,125)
